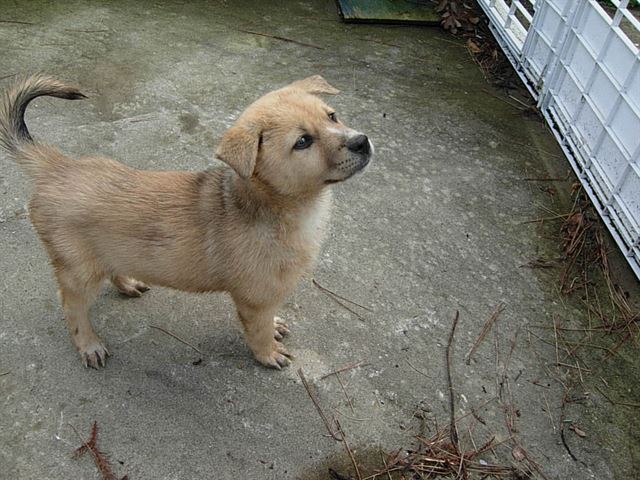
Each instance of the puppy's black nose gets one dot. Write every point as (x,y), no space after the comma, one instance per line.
(359,144)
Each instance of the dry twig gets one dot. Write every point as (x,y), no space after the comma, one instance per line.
(337,298)
(419,371)
(17,22)
(313,398)
(283,39)
(612,402)
(485,329)
(351,366)
(452,414)
(167,332)
(540,263)
(346,395)
(78,30)
(348,449)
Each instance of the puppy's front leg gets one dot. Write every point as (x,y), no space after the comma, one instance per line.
(261,330)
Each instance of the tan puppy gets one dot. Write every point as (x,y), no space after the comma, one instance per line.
(252,229)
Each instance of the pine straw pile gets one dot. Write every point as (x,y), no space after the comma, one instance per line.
(453,452)
(437,456)
(584,349)
(586,273)
(450,451)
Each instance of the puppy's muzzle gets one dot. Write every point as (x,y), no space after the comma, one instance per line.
(361,151)
(359,144)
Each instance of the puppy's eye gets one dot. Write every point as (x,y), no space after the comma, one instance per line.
(332,117)
(303,142)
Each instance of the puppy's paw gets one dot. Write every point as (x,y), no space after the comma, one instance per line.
(278,357)
(130,287)
(281,328)
(94,355)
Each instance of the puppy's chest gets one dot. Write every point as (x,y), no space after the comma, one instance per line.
(293,243)
(310,229)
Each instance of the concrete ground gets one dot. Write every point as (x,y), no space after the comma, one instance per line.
(436,225)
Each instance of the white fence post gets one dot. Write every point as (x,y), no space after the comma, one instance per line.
(584,72)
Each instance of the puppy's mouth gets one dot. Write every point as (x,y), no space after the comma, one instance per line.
(356,163)
(359,167)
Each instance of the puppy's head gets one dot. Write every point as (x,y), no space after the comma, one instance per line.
(294,142)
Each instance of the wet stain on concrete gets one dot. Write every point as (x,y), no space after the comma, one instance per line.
(189,122)
(110,86)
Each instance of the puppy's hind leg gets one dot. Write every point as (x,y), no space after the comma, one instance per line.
(77,293)
(261,331)
(128,286)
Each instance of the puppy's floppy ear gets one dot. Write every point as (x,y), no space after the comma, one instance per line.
(239,149)
(316,85)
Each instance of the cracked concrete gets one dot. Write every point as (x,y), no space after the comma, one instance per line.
(435,225)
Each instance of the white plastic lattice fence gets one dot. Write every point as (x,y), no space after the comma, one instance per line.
(582,64)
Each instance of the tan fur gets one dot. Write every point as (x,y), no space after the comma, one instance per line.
(251,230)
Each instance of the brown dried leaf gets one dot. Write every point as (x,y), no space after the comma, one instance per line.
(518,453)
(578,431)
(449,23)
(473,46)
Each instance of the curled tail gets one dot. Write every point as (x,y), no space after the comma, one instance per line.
(13,131)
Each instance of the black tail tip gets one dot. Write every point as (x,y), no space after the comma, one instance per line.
(70,94)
